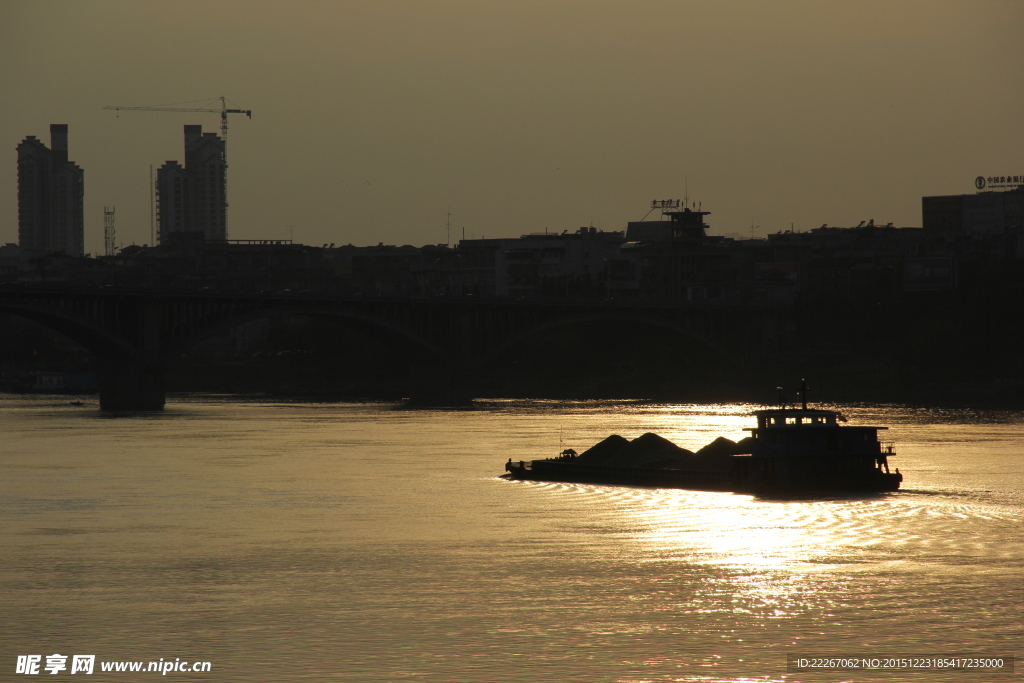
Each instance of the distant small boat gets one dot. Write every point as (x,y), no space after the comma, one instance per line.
(790,450)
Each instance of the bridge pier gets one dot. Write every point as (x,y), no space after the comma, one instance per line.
(132,387)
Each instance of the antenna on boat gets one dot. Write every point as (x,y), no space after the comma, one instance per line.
(803,392)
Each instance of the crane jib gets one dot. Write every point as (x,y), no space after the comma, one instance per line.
(223,111)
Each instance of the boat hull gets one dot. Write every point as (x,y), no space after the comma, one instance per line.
(699,480)
(548,470)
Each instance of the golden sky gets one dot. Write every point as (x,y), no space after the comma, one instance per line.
(371,119)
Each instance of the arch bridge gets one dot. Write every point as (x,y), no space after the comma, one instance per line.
(135,334)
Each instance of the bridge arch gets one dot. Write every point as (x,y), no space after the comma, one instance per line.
(128,379)
(368,321)
(92,337)
(490,355)
(136,333)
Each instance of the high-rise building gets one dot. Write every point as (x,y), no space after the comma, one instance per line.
(193,197)
(51,196)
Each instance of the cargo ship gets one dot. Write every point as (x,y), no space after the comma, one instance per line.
(791,450)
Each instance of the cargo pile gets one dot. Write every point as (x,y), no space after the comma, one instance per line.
(653,451)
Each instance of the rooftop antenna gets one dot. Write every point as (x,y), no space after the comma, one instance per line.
(108,231)
(448,226)
(152,210)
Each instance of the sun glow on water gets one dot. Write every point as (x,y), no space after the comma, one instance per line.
(731,530)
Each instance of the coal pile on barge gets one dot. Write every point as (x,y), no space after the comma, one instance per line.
(653,451)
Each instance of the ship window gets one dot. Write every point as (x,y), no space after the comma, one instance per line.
(791,420)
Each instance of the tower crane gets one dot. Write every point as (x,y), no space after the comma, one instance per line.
(224,111)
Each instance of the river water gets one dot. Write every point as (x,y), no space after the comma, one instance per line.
(342,542)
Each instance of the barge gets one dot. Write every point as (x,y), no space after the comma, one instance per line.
(791,450)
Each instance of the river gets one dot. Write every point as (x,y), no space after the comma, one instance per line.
(367,542)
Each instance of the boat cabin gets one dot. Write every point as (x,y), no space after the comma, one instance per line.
(810,433)
(803,448)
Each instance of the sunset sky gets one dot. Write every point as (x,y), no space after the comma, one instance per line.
(371,119)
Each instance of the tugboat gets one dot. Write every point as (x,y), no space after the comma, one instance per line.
(792,450)
(808,450)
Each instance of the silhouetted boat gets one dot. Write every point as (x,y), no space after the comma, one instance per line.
(790,450)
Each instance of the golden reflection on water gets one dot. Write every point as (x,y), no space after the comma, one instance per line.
(729,530)
(364,543)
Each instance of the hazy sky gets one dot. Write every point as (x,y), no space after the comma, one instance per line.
(371,118)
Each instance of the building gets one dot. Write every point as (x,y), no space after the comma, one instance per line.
(536,265)
(193,197)
(984,213)
(51,193)
(676,260)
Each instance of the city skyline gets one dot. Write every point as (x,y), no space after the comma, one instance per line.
(371,122)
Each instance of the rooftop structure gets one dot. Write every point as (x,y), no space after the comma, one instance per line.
(684,223)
